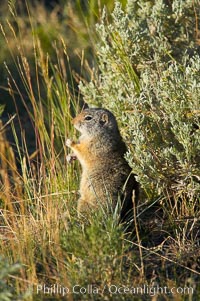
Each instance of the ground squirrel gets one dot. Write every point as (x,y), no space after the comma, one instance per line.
(106,174)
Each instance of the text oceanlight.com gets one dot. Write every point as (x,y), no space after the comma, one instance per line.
(57,289)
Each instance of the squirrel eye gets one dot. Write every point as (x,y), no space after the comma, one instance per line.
(88,117)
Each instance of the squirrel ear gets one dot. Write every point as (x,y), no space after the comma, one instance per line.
(104,119)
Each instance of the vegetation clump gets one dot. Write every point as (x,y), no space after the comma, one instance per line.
(145,68)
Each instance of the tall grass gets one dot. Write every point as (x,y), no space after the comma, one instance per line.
(39,226)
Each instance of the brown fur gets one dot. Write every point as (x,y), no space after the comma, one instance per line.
(106,174)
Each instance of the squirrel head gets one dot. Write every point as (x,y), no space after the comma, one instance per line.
(95,121)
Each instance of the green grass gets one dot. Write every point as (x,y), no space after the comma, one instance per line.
(43,241)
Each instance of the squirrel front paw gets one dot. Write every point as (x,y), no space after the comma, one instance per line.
(68,142)
(70,158)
